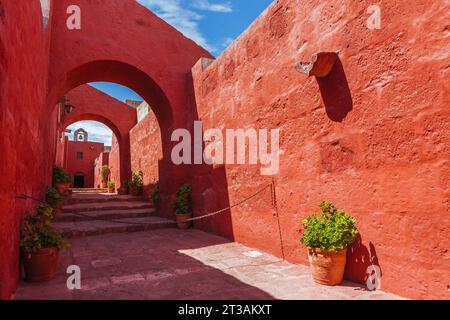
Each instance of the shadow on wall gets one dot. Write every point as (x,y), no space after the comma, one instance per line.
(359,259)
(335,92)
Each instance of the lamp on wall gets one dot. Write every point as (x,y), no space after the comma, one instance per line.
(68,108)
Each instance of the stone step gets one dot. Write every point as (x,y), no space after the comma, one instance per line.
(119,205)
(105,214)
(88,190)
(100,198)
(93,228)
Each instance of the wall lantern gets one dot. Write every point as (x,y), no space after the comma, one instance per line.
(68,108)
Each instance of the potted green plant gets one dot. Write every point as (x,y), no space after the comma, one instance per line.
(111,187)
(105,176)
(40,245)
(182,204)
(61,179)
(53,198)
(327,237)
(137,183)
(155,196)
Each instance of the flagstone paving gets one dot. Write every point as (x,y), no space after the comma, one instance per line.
(176,264)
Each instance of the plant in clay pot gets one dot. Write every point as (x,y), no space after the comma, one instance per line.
(327,237)
(111,187)
(61,179)
(137,183)
(40,245)
(182,204)
(105,176)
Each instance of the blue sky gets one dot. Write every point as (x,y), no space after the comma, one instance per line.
(213,24)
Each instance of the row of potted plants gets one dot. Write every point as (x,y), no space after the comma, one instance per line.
(326,235)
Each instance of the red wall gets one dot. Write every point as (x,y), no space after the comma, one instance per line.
(27,127)
(114,162)
(90,150)
(146,150)
(372,137)
(99,162)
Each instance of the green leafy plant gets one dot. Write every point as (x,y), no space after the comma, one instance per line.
(155,193)
(105,173)
(111,185)
(182,204)
(137,180)
(38,234)
(60,176)
(333,230)
(52,197)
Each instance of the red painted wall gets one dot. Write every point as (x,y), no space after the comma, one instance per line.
(146,150)
(27,127)
(114,162)
(99,162)
(90,150)
(372,137)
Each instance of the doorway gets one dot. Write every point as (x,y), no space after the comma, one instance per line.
(78,181)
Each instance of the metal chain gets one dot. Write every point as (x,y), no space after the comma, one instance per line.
(188,220)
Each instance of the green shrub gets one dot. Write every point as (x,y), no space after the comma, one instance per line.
(137,180)
(333,230)
(155,193)
(52,197)
(38,234)
(182,204)
(105,173)
(111,185)
(60,176)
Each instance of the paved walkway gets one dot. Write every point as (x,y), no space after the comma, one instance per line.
(174,264)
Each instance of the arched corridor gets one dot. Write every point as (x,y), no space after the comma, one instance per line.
(243,147)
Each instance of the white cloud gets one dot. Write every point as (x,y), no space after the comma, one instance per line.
(225,7)
(227,42)
(97,132)
(176,13)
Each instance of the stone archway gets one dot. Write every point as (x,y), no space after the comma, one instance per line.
(155,62)
(89,103)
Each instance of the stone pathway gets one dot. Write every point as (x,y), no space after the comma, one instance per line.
(174,264)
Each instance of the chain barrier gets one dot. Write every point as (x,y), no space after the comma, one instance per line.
(208,215)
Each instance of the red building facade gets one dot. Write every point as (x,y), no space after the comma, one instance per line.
(80,162)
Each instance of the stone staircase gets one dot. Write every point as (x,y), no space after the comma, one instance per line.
(95,213)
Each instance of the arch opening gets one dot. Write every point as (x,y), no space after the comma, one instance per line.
(128,76)
(84,155)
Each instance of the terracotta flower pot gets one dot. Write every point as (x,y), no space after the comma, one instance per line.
(327,267)
(104,185)
(182,222)
(41,265)
(111,190)
(62,187)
